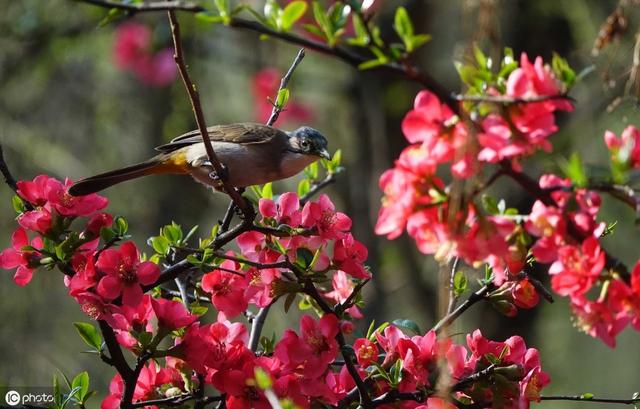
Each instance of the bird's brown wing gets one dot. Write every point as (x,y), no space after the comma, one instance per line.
(241,133)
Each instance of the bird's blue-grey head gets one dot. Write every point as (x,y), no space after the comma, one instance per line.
(309,141)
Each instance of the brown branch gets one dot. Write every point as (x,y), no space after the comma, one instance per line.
(317,187)
(9,179)
(275,112)
(585,398)
(473,298)
(409,71)
(194,97)
(506,100)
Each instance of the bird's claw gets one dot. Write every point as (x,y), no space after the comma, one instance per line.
(218,177)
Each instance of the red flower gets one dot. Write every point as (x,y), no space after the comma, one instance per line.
(349,255)
(66,205)
(577,268)
(26,260)
(366,352)
(524,294)
(285,211)
(419,356)
(124,274)
(132,51)
(322,214)
(171,314)
(626,149)
(342,289)
(227,289)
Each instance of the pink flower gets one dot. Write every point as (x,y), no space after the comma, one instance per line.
(427,120)
(349,255)
(342,289)
(577,268)
(171,314)
(66,205)
(598,320)
(26,260)
(132,51)
(419,356)
(626,149)
(227,289)
(366,352)
(124,274)
(322,214)
(398,202)
(285,211)
(524,294)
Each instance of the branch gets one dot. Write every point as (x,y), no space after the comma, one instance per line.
(583,398)
(149,6)
(194,97)
(394,395)
(405,69)
(473,298)
(9,179)
(316,187)
(506,100)
(256,327)
(275,112)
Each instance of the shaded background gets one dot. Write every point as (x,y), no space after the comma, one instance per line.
(67,111)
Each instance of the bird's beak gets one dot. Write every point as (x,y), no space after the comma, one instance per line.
(325,154)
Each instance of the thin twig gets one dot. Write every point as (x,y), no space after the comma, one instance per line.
(256,327)
(453,298)
(275,112)
(194,97)
(409,71)
(586,398)
(316,187)
(506,100)
(9,179)
(473,298)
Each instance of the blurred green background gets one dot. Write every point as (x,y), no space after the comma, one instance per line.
(67,111)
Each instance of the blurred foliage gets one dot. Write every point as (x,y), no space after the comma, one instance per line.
(65,110)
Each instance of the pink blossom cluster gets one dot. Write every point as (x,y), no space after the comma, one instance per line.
(625,150)
(578,266)
(132,51)
(53,210)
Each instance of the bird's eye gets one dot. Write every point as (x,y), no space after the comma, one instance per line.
(304,144)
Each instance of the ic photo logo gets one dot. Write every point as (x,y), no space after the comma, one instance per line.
(12,398)
(31,396)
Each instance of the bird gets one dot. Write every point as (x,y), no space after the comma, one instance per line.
(250,153)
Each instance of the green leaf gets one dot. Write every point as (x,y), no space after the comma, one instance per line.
(407,324)
(481,59)
(282,98)
(172,232)
(304,257)
(362,36)
(574,170)
(402,23)
(367,65)
(460,283)
(191,233)
(81,381)
(263,380)
(107,234)
(160,244)
(313,30)
(292,13)
(323,21)
(587,395)
(207,17)
(18,204)
(89,335)
(121,226)
(112,15)
(303,187)
(338,14)
(490,204)
(267,191)
(419,40)
(562,70)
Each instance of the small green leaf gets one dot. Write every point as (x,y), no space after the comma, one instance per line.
(267,191)
(574,170)
(292,13)
(81,381)
(18,204)
(121,226)
(160,244)
(460,283)
(191,233)
(282,98)
(407,324)
(207,17)
(107,234)
(172,232)
(481,59)
(367,65)
(587,395)
(402,23)
(303,187)
(263,380)
(490,204)
(304,257)
(89,335)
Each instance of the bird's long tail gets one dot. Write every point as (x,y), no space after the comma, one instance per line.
(158,164)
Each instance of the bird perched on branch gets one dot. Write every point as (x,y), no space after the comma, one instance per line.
(251,154)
